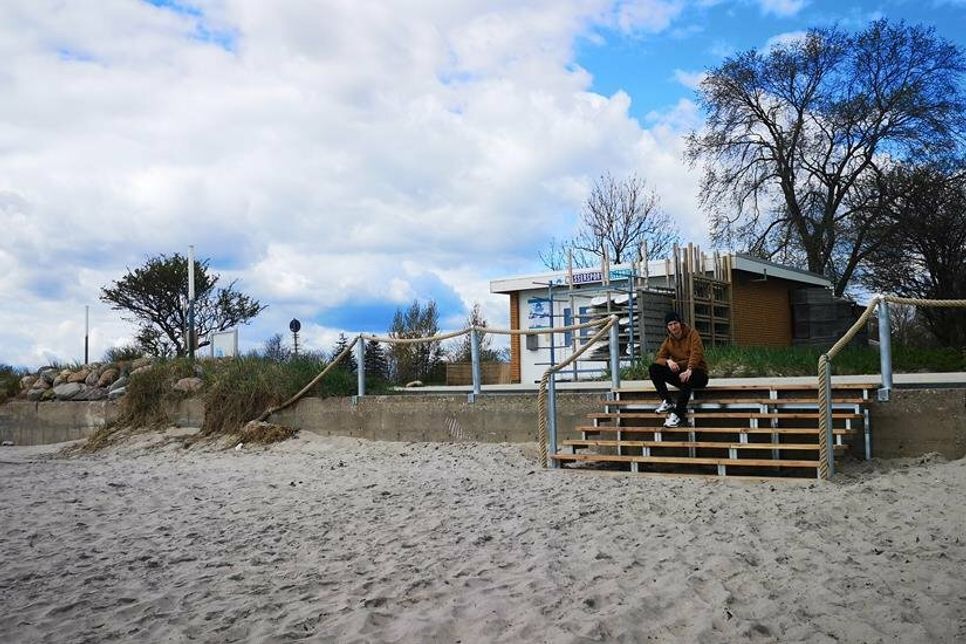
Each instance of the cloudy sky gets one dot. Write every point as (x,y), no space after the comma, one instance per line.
(340,158)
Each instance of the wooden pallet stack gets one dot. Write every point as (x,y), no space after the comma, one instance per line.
(753,430)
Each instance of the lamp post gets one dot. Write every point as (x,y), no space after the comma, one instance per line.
(191,302)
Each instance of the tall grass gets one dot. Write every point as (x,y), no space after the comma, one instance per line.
(10,381)
(747,362)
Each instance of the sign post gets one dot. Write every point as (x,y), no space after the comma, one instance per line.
(295,326)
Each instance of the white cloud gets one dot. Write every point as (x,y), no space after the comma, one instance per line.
(781,8)
(691,80)
(332,153)
(787,38)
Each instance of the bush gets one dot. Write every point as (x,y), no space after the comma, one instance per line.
(124,353)
(10,381)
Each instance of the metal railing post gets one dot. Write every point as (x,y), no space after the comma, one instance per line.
(885,350)
(475,360)
(361,366)
(615,349)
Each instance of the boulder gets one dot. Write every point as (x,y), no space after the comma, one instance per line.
(91,380)
(140,369)
(70,391)
(48,375)
(140,362)
(36,393)
(27,382)
(107,377)
(95,393)
(78,376)
(188,385)
(114,394)
(120,383)
(41,384)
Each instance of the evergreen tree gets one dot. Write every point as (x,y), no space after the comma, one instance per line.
(349,363)
(377,367)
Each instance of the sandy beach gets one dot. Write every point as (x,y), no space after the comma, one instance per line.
(345,540)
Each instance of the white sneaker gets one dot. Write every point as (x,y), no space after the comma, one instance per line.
(664,407)
(672,420)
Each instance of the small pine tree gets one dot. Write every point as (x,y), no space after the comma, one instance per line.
(377,367)
(349,363)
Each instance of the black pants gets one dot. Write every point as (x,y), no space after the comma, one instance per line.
(662,376)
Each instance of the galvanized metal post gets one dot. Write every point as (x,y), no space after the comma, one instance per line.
(615,349)
(475,362)
(361,366)
(885,350)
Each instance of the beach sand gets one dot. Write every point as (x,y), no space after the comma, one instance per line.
(346,540)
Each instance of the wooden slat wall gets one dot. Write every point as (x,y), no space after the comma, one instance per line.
(493,373)
(762,311)
(515,339)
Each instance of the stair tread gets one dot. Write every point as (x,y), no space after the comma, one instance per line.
(746,401)
(731,414)
(765,387)
(684,460)
(712,430)
(709,444)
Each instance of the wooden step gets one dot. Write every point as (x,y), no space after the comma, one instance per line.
(702,444)
(684,460)
(603,429)
(762,387)
(743,401)
(732,414)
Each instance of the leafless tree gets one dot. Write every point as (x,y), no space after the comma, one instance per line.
(618,216)
(927,257)
(799,138)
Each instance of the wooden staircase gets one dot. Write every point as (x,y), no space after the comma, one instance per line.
(750,430)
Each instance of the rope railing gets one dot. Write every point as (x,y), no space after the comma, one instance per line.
(826,454)
(605,325)
(542,415)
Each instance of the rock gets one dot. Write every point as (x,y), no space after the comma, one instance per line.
(114,394)
(188,385)
(27,382)
(95,393)
(36,393)
(48,375)
(107,377)
(78,376)
(140,362)
(70,391)
(120,383)
(48,394)
(41,384)
(6,444)
(140,369)
(415,383)
(91,380)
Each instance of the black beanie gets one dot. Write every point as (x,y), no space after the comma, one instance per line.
(671,316)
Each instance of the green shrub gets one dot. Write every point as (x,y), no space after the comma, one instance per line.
(124,353)
(10,381)
(748,362)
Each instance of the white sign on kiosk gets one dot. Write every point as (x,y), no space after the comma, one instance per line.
(224,344)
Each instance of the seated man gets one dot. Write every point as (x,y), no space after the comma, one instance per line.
(680,362)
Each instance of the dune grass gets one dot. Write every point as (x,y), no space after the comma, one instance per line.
(750,362)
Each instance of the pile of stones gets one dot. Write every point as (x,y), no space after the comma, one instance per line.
(96,381)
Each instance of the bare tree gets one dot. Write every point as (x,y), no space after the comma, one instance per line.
(618,216)
(799,138)
(927,257)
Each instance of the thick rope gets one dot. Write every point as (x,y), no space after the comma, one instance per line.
(542,391)
(824,366)
(271,410)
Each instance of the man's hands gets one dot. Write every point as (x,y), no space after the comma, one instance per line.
(676,368)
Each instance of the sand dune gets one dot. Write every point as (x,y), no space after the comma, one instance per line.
(346,540)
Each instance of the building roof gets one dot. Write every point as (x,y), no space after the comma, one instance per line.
(655,269)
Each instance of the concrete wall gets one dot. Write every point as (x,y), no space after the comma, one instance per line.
(40,423)
(919,421)
(492,419)
(914,422)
